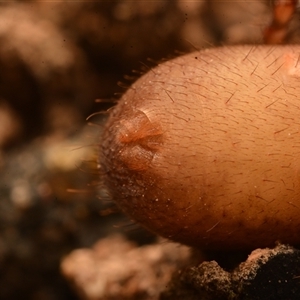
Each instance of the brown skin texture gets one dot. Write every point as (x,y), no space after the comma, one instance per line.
(204,149)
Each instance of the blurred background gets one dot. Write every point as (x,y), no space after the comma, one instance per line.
(56,59)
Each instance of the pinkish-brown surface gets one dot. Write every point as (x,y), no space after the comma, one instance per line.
(56,58)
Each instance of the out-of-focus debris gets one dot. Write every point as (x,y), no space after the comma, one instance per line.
(283,11)
(10,127)
(116,269)
(39,220)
